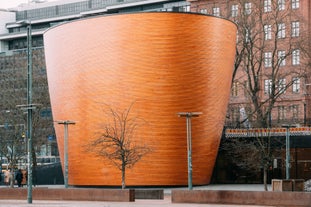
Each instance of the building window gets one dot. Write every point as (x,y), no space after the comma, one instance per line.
(295,4)
(267,30)
(268,86)
(235,88)
(268,59)
(246,88)
(46,113)
(282,85)
(235,114)
(247,35)
(185,8)
(216,11)
(281,4)
(267,6)
(296,85)
(234,10)
(281,58)
(294,110)
(248,8)
(281,113)
(296,57)
(203,11)
(281,30)
(295,29)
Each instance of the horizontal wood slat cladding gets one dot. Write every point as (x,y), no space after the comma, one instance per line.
(164,63)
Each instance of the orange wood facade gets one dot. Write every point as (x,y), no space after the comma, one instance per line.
(164,62)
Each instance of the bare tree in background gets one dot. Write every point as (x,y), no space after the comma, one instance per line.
(255,154)
(117,141)
(12,146)
(264,47)
(13,82)
(268,62)
(12,143)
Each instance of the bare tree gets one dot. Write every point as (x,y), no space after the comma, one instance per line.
(116,141)
(254,155)
(12,146)
(262,50)
(13,74)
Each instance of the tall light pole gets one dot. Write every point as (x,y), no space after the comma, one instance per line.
(287,142)
(29,107)
(188,116)
(66,123)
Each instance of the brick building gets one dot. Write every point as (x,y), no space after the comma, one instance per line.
(271,85)
(283,30)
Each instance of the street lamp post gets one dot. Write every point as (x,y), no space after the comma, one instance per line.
(29,107)
(66,123)
(188,116)
(287,143)
(29,114)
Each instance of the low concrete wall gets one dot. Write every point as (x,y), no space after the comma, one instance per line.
(242,197)
(288,185)
(149,194)
(86,194)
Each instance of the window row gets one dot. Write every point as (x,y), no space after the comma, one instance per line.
(281,85)
(281,58)
(16,44)
(286,112)
(279,113)
(281,30)
(267,7)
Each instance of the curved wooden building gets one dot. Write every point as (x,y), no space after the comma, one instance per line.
(163,62)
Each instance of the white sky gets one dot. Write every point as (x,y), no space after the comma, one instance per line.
(12,3)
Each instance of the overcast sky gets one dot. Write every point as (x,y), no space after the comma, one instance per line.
(12,3)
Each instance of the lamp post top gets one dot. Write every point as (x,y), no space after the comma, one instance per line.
(288,126)
(23,22)
(66,122)
(189,114)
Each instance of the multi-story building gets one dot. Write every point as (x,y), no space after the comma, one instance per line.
(271,82)
(13,58)
(281,32)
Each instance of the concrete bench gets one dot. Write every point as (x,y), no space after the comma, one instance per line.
(291,199)
(149,194)
(78,194)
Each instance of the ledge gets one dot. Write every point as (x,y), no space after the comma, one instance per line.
(126,195)
(242,197)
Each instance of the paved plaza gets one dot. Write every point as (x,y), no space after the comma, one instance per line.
(166,202)
(138,203)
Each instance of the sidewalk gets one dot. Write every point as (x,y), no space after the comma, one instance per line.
(167,190)
(138,203)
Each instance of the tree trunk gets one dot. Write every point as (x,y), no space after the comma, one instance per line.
(12,179)
(123,177)
(265,178)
